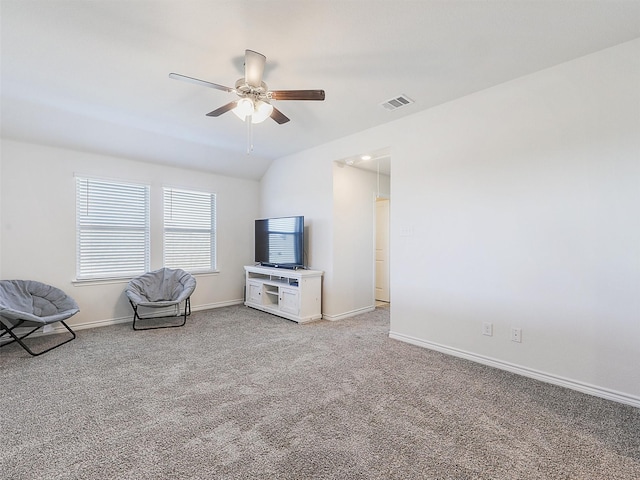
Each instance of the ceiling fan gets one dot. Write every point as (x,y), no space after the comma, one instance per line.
(254,102)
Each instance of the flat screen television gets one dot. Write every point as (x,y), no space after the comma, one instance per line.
(280,242)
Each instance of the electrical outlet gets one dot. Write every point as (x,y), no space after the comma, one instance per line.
(487,329)
(516,335)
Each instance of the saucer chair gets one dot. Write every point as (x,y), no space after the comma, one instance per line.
(33,305)
(161,289)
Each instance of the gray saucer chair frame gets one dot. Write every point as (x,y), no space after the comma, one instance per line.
(33,305)
(161,288)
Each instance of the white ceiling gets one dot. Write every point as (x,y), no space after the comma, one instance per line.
(93,75)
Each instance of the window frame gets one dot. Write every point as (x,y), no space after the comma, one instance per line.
(105,228)
(182,227)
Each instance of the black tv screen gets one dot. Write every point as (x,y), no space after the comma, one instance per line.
(280,242)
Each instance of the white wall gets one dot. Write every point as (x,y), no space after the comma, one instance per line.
(38,225)
(302,188)
(518,206)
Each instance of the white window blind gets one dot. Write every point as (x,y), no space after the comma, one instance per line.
(189,230)
(112,229)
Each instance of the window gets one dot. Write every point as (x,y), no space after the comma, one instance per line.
(189,230)
(112,229)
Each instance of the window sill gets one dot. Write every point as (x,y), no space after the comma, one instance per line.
(122,280)
(205,274)
(99,281)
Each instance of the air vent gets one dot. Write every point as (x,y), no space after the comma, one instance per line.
(396,102)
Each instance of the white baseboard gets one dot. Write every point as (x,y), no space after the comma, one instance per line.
(57,328)
(94,324)
(527,372)
(352,313)
(209,306)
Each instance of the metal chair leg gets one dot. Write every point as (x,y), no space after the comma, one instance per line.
(187,312)
(19,339)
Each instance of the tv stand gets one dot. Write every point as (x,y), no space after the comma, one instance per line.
(291,294)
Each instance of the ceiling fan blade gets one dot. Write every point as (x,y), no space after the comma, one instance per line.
(297,94)
(184,78)
(223,109)
(253,67)
(278,116)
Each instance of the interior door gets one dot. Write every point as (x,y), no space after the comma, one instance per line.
(382,250)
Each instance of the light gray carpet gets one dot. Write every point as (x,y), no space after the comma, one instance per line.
(238,393)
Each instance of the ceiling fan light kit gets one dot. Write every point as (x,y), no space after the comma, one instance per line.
(259,111)
(254,104)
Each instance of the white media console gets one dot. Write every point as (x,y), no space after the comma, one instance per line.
(292,294)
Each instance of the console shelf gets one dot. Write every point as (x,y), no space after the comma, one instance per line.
(291,294)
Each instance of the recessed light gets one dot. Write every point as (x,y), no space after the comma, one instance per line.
(366,157)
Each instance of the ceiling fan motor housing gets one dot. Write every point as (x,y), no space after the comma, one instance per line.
(243,89)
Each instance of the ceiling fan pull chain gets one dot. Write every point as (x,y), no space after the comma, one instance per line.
(249,134)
